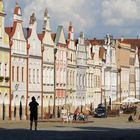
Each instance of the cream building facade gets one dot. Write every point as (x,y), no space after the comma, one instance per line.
(18,67)
(48,66)
(4,67)
(34,63)
(60,69)
(71,69)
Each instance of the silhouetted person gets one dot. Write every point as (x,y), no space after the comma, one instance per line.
(33,112)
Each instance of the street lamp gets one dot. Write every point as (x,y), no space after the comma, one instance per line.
(54,106)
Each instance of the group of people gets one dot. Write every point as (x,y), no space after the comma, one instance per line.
(69,117)
(133,117)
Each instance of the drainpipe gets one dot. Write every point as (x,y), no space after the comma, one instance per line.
(42,50)
(10,82)
(27,82)
(54,106)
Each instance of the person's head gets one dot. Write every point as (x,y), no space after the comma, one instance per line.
(33,98)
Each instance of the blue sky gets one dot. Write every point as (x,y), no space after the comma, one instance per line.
(95,18)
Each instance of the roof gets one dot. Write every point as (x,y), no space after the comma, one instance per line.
(27,32)
(133,42)
(96,42)
(17,9)
(101,52)
(41,36)
(60,38)
(53,36)
(11,30)
(8,30)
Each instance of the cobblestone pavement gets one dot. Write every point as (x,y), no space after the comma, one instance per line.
(112,128)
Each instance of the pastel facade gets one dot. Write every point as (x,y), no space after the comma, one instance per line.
(124,70)
(110,70)
(34,63)
(62,72)
(71,70)
(60,68)
(81,56)
(90,76)
(4,68)
(48,65)
(97,75)
(18,67)
(137,73)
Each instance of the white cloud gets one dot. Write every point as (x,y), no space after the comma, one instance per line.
(94,17)
(63,11)
(118,12)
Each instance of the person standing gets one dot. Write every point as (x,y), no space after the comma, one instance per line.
(33,112)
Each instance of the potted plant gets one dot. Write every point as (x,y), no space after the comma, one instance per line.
(7,79)
(1,78)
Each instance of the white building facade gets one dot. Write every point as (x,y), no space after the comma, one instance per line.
(4,67)
(48,66)
(18,67)
(81,56)
(34,63)
(71,69)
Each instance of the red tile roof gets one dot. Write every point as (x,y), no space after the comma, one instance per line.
(41,36)
(17,8)
(101,52)
(96,42)
(8,30)
(133,42)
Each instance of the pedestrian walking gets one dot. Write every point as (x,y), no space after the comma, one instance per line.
(33,112)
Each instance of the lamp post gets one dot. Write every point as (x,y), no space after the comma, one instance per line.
(54,106)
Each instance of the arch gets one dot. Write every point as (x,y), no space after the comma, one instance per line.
(23,100)
(16,100)
(56,101)
(38,99)
(0,98)
(51,101)
(6,100)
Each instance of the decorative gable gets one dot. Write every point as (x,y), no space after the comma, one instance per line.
(33,40)
(60,37)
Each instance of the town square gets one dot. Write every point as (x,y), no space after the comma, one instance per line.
(79,81)
(117,128)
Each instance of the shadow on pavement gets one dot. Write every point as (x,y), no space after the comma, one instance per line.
(83,133)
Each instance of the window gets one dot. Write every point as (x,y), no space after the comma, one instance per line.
(77,80)
(0,31)
(33,75)
(17,73)
(13,73)
(44,75)
(0,69)
(5,70)
(70,77)
(37,75)
(22,74)
(73,78)
(29,75)
(71,57)
(95,81)
(132,61)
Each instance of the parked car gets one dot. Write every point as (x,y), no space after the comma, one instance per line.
(100,112)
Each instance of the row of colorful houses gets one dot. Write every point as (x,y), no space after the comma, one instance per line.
(62,71)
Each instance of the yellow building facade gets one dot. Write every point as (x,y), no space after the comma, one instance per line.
(4,68)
